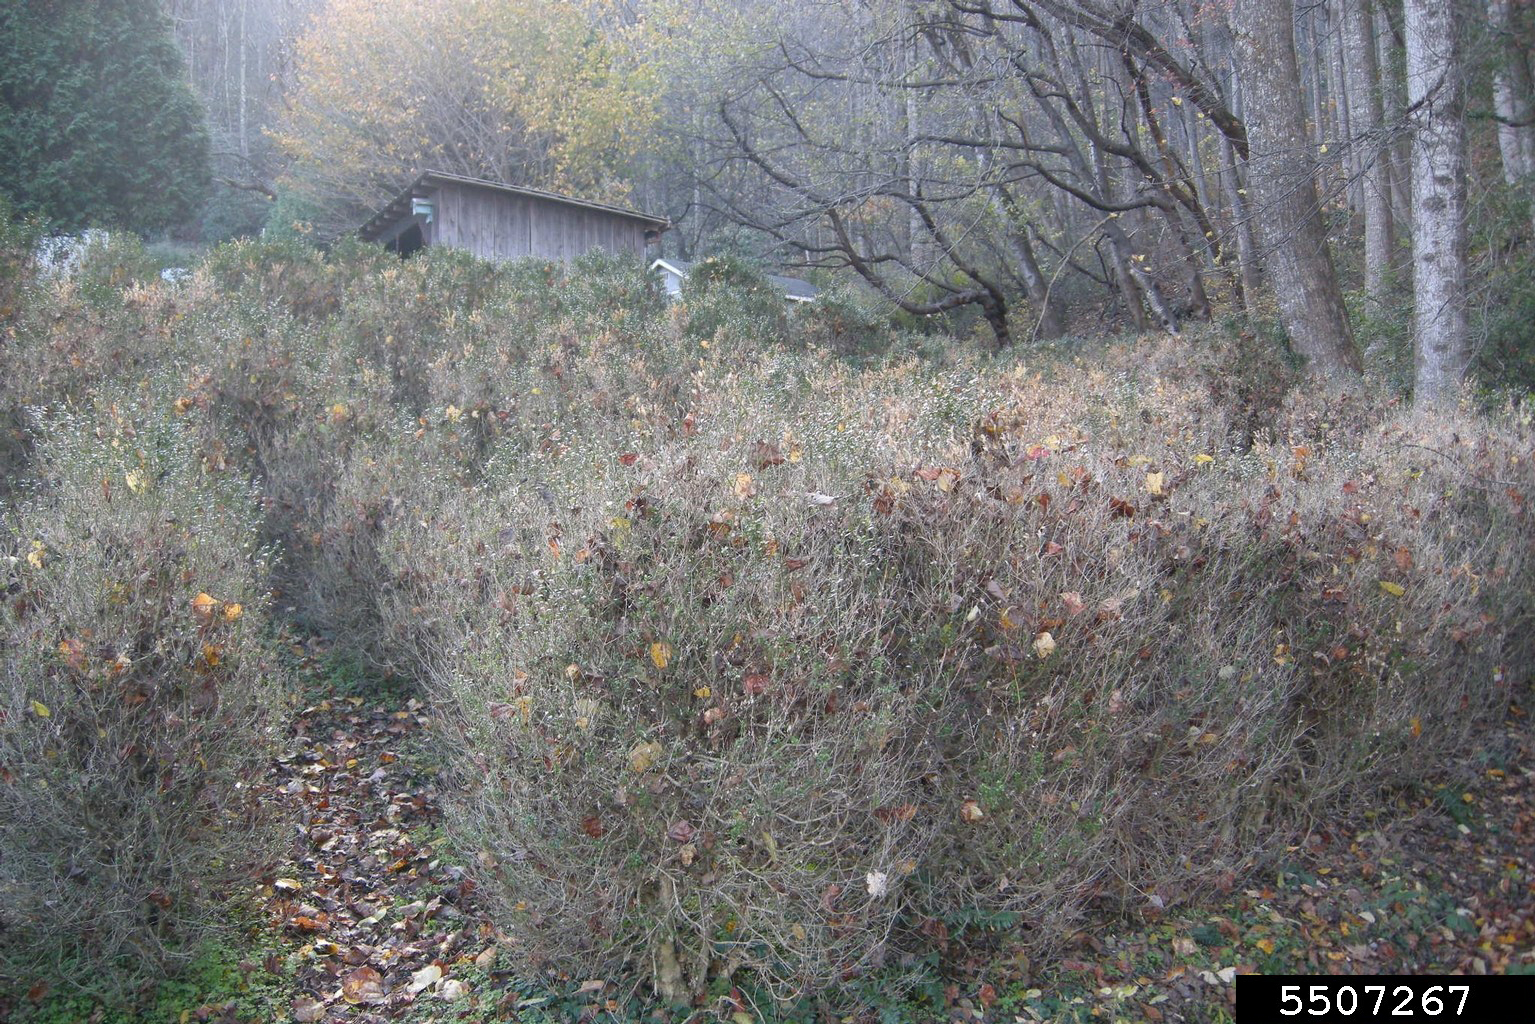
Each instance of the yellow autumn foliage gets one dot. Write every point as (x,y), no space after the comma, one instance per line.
(513,90)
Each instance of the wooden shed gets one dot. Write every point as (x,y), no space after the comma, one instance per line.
(506,222)
(675,271)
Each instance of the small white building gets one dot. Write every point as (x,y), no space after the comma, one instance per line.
(674,272)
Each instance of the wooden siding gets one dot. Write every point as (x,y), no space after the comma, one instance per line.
(500,226)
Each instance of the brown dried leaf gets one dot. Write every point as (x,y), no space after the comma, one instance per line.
(307,1010)
(364,985)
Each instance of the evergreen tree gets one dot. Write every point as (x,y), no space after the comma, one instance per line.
(97,123)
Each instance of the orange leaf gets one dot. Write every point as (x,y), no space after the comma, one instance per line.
(203,607)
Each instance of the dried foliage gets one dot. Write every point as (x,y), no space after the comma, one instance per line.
(806,700)
(749,663)
(135,705)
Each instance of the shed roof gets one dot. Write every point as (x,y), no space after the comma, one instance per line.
(428,182)
(792,287)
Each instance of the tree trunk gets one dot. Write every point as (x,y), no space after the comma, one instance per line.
(1436,95)
(1394,107)
(1334,54)
(1513,96)
(1281,173)
(1368,143)
(1241,209)
(1050,324)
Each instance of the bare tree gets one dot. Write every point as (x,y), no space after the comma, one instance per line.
(1513,91)
(1436,97)
(1282,173)
(1370,145)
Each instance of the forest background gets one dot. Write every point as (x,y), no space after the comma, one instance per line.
(1020,163)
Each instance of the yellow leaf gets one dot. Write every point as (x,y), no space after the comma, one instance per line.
(661,654)
(745,487)
(1267,945)
(703,693)
(644,755)
(1154,483)
(40,709)
(1394,589)
(135,480)
(1417,727)
(233,610)
(1044,645)
(203,605)
(1203,460)
(452,413)
(36,556)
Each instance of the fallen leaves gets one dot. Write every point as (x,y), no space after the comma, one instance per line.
(363,986)
(307,1010)
(424,979)
(644,755)
(943,477)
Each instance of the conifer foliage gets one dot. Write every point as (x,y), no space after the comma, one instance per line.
(97,123)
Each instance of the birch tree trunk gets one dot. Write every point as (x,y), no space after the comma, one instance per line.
(1282,176)
(1436,95)
(1373,155)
